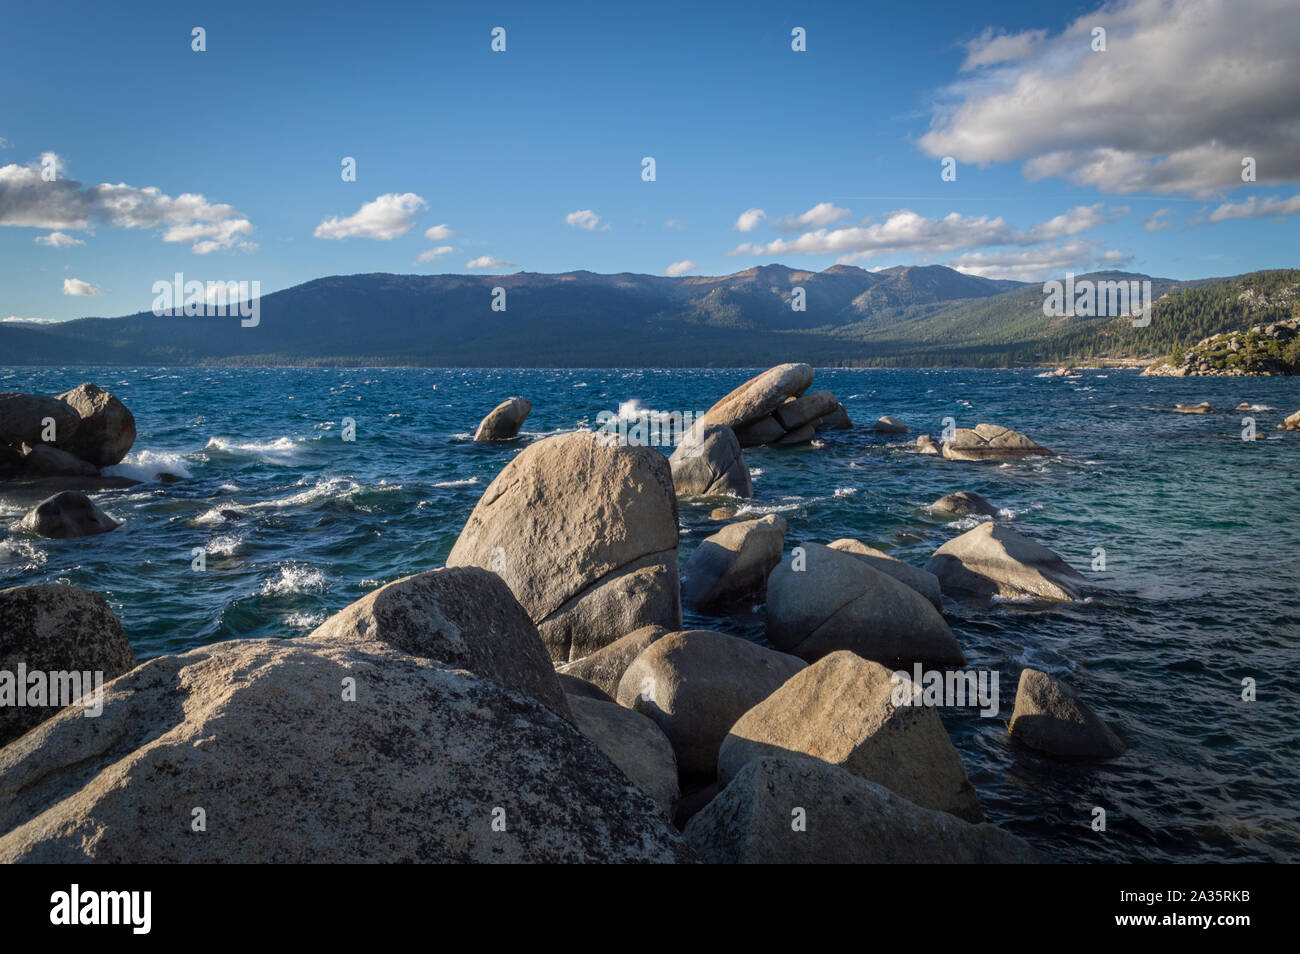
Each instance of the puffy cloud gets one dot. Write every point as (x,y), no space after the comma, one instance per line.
(75,286)
(431,254)
(387,217)
(749,219)
(905,231)
(823,213)
(583,219)
(29,201)
(487,261)
(1157,221)
(1040,263)
(57,240)
(1255,208)
(681,268)
(438,233)
(1183,92)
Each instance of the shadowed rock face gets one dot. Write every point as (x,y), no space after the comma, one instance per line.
(733,564)
(848,820)
(107,429)
(992,442)
(696,684)
(584,532)
(840,710)
(44,460)
(809,409)
(22,419)
(834,600)
(258,734)
(889,425)
(69,514)
(1051,719)
(464,617)
(503,421)
(634,744)
(53,627)
(993,560)
(709,461)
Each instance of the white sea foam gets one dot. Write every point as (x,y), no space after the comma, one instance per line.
(282,450)
(146,465)
(224,545)
(845,491)
(304,620)
(21,553)
(294,578)
(466,482)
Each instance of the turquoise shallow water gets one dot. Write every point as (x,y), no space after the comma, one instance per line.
(1199,528)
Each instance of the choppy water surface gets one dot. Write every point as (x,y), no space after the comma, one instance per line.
(1199,530)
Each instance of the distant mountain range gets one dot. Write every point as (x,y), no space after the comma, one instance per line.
(904,316)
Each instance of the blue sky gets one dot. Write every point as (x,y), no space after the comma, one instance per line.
(225,164)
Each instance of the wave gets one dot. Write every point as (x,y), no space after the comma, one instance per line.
(294,578)
(282,450)
(146,465)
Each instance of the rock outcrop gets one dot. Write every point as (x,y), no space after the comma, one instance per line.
(796,810)
(696,684)
(24,417)
(889,425)
(841,710)
(605,667)
(709,462)
(503,421)
(1292,423)
(1202,408)
(106,430)
(993,560)
(992,442)
(825,600)
(963,504)
(67,514)
(584,532)
(733,564)
(1050,718)
(55,630)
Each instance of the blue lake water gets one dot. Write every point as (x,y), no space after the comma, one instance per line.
(1199,528)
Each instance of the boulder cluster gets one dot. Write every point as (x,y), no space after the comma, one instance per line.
(539,699)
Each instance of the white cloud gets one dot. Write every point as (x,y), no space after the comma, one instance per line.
(1184,90)
(487,261)
(75,286)
(438,233)
(905,231)
(27,200)
(681,268)
(1157,221)
(823,213)
(431,254)
(1038,264)
(387,217)
(32,321)
(583,219)
(1254,208)
(991,47)
(57,240)
(749,219)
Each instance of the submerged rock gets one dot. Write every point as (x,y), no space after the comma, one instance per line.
(841,710)
(503,421)
(964,504)
(927,445)
(1051,719)
(696,684)
(67,514)
(795,810)
(992,442)
(106,430)
(993,560)
(1202,408)
(732,565)
(584,532)
(837,601)
(54,628)
(260,743)
(1292,423)
(708,461)
(889,425)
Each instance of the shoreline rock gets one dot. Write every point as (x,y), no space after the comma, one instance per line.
(1050,718)
(502,423)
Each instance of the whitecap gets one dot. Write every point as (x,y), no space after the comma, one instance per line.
(294,578)
(282,450)
(146,465)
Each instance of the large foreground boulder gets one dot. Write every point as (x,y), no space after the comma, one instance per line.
(503,421)
(584,532)
(635,744)
(67,514)
(732,565)
(24,417)
(795,810)
(296,751)
(992,442)
(760,396)
(827,599)
(54,630)
(696,684)
(841,710)
(1051,719)
(464,617)
(604,668)
(924,582)
(709,462)
(993,560)
(106,430)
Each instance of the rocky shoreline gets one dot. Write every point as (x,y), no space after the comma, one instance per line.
(538,699)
